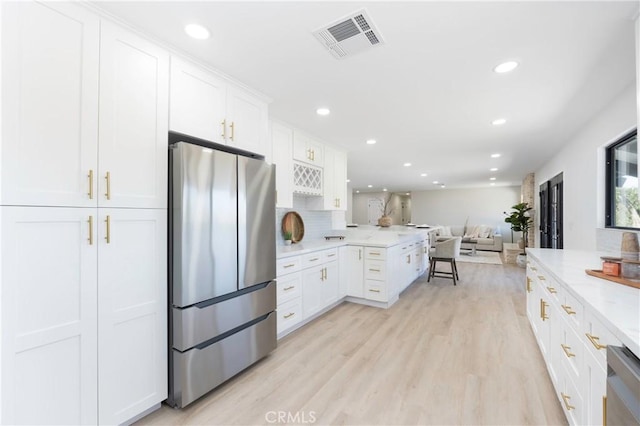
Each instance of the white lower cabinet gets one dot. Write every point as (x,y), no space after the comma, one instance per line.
(84,318)
(307,285)
(355,270)
(573,343)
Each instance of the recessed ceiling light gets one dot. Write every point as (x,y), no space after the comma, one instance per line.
(197,31)
(357,192)
(492,178)
(495,155)
(348,180)
(498,122)
(493,169)
(423,174)
(407,164)
(408,193)
(384,189)
(369,186)
(442,186)
(435,182)
(371,142)
(323,111)
(506,67)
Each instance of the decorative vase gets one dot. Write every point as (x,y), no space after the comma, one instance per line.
(384,221)
(521,244)
(287,242)
(629,252)
(521,260)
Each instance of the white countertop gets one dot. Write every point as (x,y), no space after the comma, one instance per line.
(617,306)
(371,237)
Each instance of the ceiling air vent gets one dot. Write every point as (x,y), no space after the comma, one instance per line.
(351,34)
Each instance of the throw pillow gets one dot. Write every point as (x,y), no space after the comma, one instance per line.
(472,232)
(484,231)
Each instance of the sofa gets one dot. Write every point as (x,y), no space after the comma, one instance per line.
(484,237)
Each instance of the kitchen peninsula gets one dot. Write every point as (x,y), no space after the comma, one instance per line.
(371,266)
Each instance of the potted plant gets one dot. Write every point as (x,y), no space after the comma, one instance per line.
(520,221)
(287,237)
(385,219)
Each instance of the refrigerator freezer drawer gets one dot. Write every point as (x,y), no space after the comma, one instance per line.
(199,323)
(198,371)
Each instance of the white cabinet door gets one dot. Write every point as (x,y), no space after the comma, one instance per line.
(312,290)
(355,271)
(330,284)
(282,140)
(49,330)
(198,102)
(247,122)
(340,179)
(132,307)
(307,149)
(49,104)
(134,117)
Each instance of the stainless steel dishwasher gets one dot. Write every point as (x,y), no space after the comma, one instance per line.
(623,387)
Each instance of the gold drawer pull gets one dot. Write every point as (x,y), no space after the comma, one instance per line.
(290,265)
(552,290)
(374,270)
(541,278)
(543,310)
(565,398)
(233,130)
(604,410)
(528,285)
(90,221)
(374,291)
(289,288)
(314,259)
(331,255)
(90,193)
(108,179)
(568,310)
(566,348)
(374,253)
(595,341)
(108,236)
(289,315)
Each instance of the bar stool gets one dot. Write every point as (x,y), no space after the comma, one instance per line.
(445,251)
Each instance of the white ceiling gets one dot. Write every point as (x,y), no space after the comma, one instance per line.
(428,94)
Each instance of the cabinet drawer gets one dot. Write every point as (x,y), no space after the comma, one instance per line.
(289,287)
(596,338)
(571,352)
(375,253)
(312,259)
(571,401)
(330,255)
(287,265)
(289,314)
(375,269)
(375,290)
(572,309)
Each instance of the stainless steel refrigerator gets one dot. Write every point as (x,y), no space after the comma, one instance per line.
(222,288)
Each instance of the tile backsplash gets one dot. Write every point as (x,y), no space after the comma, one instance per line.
(317,223)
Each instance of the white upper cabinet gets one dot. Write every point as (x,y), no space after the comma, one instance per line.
(307,149)
(49,104)
(282,145)
(208,107)
(134,115)
(198,102)
(335,182)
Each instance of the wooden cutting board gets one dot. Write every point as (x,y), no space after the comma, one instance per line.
(598,273)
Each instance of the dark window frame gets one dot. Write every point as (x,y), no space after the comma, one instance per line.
(610,189)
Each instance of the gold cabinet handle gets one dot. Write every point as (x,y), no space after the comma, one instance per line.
(108,178)
(331,255)
(568,310)
(338,202)
(552,290)
(359,254)
(308,154)
(541,278)
(289,266)
(90,222)
(374,291)
(313,155)
(595,341)
(374,253)
(233,128)
(90,176)
(289,288)
(374,270)
(543,310)
(224,129)
(408,258)
(108,236)
(566,399)
(604,410)
(528,285)
(566,348)
(314,259)
(289,315)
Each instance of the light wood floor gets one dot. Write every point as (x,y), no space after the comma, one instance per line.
(440,355)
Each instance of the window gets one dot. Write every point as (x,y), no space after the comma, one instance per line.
(623,204)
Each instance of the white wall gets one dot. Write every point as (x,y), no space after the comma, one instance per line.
(581,160)
(480,206)
(360,206)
